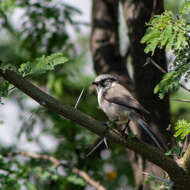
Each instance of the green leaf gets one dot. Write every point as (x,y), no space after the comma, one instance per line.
(182,129)
(6,66)
(151,46)
(174,150)
(185,8)
(169,75)
(150,33)
(180,41)
(165,35)
(171,41)
(45,175)
(3,87)
(156,89)
(170,81)
(30,186)
(42,64)
(76,180)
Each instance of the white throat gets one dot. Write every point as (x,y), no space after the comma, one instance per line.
(100,92)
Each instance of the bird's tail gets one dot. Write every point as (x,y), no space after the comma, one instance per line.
(136,118)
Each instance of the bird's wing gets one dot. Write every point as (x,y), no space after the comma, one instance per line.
(120,95)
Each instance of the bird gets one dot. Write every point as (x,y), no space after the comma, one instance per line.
(119,105)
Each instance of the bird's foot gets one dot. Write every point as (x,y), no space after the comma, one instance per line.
(124,134)
(109,124)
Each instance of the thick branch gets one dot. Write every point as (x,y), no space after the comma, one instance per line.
(185,160)
(148,152)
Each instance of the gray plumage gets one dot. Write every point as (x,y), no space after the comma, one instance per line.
(119,104)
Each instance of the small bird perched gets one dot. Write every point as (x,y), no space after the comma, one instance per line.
(119,104)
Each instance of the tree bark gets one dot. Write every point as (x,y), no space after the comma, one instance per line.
(107,59)
(137,13)
(104,41)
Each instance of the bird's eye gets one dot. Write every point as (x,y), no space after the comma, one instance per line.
(108,81)
(105,82)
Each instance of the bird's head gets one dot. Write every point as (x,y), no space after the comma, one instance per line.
(104,81)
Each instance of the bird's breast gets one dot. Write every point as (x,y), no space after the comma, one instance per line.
(115,112)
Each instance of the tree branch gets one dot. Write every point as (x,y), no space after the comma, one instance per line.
(185,160)
(148,152)
(180,100)
(149,60)
(57,163)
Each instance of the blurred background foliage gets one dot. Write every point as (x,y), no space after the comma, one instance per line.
(30,29)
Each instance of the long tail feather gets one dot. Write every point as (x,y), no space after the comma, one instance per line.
(144,125)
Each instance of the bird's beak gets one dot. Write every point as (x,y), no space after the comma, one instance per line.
(94,83)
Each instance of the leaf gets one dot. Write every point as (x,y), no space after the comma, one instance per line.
(185,8)
(150,33)
(76,180)
(42,64)
(169,82)
(30,186)
(171,41)
(174,150)
(151,46)
(3,87)
(182,129)
(6,66)
(156,89)
(166,34)
(169,75)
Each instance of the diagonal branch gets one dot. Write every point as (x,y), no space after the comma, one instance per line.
(57,163)
(148,152)
(149,60)
(185,160)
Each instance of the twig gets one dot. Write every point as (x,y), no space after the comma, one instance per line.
(52,159)
(95,147)
(180,100)
(149,60)
(57,163)
(105,142)
(170,183)
(86,177)
(158,178)
(77,102)
(182,86)
(11,88)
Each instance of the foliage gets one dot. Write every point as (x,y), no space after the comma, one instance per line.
(3,88)
(182,129)
(44,25)
(172,33)
(34,174)
(155,185)
(174,151)
(31,48)
(36,67)
(42,64)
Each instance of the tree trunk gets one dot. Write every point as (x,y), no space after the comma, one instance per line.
(107,59)
(104,41)
(137,13)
